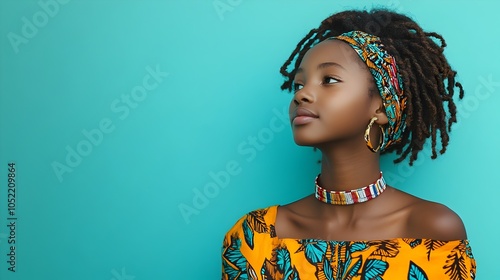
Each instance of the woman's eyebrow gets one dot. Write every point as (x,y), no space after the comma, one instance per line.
(322,66)
(328,64)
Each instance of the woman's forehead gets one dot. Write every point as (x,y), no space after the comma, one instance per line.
(332,51)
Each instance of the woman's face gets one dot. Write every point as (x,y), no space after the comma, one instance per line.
(335,88)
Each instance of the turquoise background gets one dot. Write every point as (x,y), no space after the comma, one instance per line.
(115,212)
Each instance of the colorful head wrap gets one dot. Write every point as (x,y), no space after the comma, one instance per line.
(387,78)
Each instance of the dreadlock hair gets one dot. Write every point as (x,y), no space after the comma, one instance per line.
(428,79)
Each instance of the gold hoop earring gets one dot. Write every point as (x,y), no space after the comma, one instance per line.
(367,136)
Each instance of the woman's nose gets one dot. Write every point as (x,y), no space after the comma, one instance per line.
(303,96)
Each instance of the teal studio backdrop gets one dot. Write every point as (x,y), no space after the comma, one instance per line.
(139,132)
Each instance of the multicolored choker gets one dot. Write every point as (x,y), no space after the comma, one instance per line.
(353,196)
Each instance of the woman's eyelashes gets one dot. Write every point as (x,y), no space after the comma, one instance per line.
(330,80)
(327,80)
(297,86)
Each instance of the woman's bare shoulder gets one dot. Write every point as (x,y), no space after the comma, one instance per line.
(434,220)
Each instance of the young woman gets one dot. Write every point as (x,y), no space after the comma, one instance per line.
(364,83)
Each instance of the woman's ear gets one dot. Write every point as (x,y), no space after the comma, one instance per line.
(381,116)
(378,110)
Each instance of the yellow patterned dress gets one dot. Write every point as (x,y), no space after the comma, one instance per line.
(251,250)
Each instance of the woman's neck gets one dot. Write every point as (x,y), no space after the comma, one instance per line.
(348,169)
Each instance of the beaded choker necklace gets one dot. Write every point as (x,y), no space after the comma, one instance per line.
(353,196)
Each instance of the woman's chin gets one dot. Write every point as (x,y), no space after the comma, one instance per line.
(304,142)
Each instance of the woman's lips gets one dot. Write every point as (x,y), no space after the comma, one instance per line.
(303,116)
(299,120)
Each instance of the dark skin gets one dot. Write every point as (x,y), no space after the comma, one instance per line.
(333,83)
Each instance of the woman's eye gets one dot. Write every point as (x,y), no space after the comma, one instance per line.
(297,86)
(330,80)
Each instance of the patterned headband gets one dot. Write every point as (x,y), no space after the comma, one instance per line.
(387,78)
